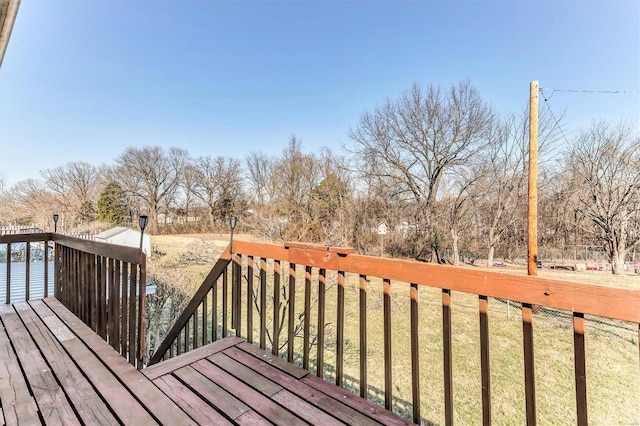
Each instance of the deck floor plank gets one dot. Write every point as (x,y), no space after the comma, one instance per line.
(176,363)
(49,396)
(260,403)
(354,401)
(231,406)
(18,406)
(318,399)
(162,407)
(260,383)
(86,401)
(56,370)
(198,409)
(124,405)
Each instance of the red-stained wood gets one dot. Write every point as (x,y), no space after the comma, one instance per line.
(308,393)
(275,335)
(225,303)
(570,296)
(86,402)
(263,302)
(214,310)
(198,409)
(27,270)
(245,374)
(111,375)
(305,410)
(322,288)
(8,280)
(529,373)
(580,369)
(292,312)
(485,371)
(17,404)
(363,336)
(415,355)
(167,367)
(250,299)
(363,406)
(133,276)
(254,399)
(216,395)
(340,330)
(306,326)
(49,396)
(448,357)
(388,380)
(275,361)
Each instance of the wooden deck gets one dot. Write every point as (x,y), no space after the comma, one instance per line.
(55,370)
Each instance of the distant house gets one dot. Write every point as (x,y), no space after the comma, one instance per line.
(124,236)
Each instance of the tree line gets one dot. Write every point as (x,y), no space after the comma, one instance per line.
(443,170)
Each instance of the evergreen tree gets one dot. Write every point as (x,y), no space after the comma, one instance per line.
(112,205)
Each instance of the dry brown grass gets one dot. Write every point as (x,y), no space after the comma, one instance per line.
(613,376)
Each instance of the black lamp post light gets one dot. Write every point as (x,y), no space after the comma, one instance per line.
(55,222)
(143,221)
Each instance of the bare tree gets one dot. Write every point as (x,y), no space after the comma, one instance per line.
(260,168)
(75,186)
(408,145)
(604,165)
(219,186)
(150,175)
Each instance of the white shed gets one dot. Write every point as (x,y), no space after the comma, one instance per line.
(123,236)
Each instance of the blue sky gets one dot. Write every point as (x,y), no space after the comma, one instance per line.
(83,80)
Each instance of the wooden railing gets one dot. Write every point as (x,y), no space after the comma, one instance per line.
(229,300)
(104,285)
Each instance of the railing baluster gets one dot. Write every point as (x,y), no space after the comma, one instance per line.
(322,282)
(27,270)
(8,291)
(46,268)
(340,331)
(447,354)
(112,298)
(307,319)
(263,303)
(133,275)
(101,272)
(214,310)
(187,335)
(483,306)
(580,368)
(224,303)
(124,315)
(363,337)
(236,266)
(250,299)
(93,286)
(415,354)
(142,289)
(529,374)
(388,384)
(205,320)
(292,311)
(194,324)
(116,305)
(276,308)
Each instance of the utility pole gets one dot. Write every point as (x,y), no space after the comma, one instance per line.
(532,222)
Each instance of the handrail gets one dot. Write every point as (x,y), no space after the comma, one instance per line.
(104,285)
(531,293)
(218,269)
